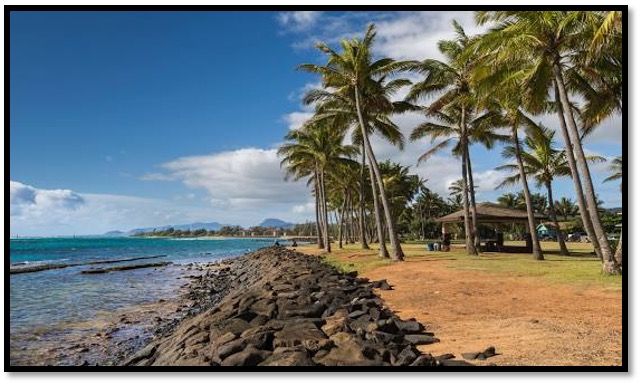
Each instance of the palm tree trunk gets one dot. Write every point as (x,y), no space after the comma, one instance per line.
(470,246)
(579,191)
(394,240)
(537,250)
(551,214)
(324,204)
(362,199)
(473,204)
(383,251)
(421,221)
(341,220)
(618,250)
(317,210)
(608,263)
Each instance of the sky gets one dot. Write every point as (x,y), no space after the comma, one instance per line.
(121,120)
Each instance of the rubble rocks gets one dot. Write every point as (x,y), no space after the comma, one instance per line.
(277,307)
(489,352)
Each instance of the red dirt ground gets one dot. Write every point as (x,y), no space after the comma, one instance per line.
(529,322)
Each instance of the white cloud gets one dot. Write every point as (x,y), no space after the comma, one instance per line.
(296,119)
(39,212)
(244,178)
(401,35)
(299,20)
(487,180)
(25,200)
(415,35)
(307,208)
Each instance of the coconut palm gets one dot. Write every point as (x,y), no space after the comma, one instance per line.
(504,94)
(509,200)
(401,186)
(543,163)
(429,205)
(450,82)
(336,110)
(516,118)
(355,85)
(597,73)
(566,208)
(321,148)
(538,49)
(342,189)
(299,160)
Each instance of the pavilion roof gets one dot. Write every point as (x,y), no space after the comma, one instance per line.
(489,212)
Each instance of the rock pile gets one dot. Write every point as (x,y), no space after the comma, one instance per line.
(283,308)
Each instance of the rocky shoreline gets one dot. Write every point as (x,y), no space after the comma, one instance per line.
(277,307)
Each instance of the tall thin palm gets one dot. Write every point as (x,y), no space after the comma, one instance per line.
(543,163)
(323,148)
(356,85)
(453,115)
(450,81)
(566,208)
(541,50)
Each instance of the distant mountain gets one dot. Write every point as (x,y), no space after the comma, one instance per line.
(276,223)
(115,234)
(210,226)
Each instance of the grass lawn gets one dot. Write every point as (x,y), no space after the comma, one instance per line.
(581,269)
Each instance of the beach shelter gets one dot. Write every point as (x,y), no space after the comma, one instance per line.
(495,214)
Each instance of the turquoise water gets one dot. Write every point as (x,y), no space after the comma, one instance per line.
(70,250)
(40,301)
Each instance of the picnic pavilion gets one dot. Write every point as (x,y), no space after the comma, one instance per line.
(494,215)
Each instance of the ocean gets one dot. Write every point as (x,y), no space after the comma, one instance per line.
(47,307)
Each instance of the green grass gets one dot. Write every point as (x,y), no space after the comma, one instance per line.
(582,269)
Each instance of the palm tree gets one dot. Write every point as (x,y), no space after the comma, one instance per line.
(455,115)
(597,74)
(566,208)
(516,118)
(342,176)
(501,93)
(357,85)
(542,50)
(456,202)
(321,148)
(299,159)
(456,188)
(542,162)
(401,186)
(513,201)
(429,205)
(509,200)
(616,168)
(451,81)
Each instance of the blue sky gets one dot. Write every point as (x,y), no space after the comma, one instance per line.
(121,120)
